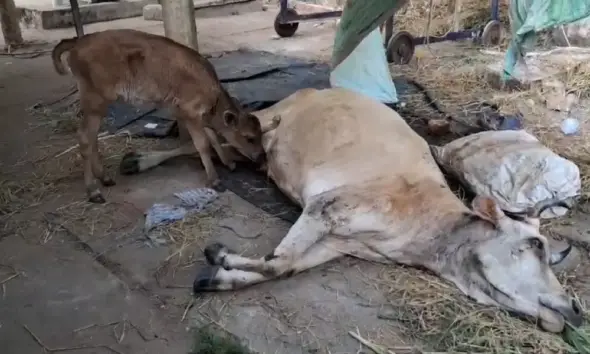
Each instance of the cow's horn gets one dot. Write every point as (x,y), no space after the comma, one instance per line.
(558,257)
(535,212)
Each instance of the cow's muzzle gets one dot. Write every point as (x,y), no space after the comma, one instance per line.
(570,310)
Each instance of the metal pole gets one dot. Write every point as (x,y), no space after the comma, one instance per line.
(77,18)
(179,25)
(495,10)
(9,20)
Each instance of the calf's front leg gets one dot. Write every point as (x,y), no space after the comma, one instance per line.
(201,142)
(212,136)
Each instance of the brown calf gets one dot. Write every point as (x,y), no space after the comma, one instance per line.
(138,68)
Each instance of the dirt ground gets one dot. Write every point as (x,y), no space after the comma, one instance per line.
(84,278)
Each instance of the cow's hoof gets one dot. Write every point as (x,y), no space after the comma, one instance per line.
(108,182)
(215,254)
(96,198)
(130,163)
(231,166)
(205,280)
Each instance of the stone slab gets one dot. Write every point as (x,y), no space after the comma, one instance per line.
(208,9)
(49,17)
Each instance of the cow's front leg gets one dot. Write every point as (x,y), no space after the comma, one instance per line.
(216,278)
(313,224)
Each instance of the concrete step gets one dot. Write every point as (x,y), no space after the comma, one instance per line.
(50,15)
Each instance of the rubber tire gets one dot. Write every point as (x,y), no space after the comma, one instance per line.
(491,34)
(393,56)
(288,29)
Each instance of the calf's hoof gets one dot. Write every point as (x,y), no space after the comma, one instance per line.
(231,166)
(217,186)
(107,182)
(96,198)
(205,280)
(215,254)
(130,163)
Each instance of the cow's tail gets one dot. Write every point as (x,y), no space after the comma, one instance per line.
(62,47)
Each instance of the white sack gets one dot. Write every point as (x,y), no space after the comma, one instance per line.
(512,167)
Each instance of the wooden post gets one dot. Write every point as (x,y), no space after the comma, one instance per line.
(179,25)
(9,21)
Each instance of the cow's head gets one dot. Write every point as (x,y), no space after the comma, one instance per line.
(506,262)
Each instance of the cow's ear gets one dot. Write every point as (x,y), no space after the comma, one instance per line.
(487,209)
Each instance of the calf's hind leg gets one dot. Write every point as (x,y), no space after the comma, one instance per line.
(93,110)
(216,278)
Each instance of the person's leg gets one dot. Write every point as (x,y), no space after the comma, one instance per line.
(366,70)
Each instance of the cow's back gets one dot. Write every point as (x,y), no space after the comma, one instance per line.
(333,137)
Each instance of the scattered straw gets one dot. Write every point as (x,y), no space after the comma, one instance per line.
(67,349)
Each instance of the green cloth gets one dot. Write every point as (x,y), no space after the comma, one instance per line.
(359,18)
(527,17)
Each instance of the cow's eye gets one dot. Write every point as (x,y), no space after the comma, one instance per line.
(536,243)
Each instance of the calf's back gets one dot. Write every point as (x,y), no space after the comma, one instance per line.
(141,67)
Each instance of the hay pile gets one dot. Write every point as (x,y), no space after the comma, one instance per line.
(436,314)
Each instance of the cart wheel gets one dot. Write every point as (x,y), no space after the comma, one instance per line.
(286,29)
(400,48)
(492,34)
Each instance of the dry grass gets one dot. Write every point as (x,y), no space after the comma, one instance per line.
(474,14)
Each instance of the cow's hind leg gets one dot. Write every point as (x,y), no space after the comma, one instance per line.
(136,162)
(216,278)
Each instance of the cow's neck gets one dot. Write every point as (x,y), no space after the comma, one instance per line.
(446,250)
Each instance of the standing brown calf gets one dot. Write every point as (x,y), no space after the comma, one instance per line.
(138,68)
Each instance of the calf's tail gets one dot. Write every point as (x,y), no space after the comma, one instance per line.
(62,47)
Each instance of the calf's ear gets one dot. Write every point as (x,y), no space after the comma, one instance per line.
(487,209)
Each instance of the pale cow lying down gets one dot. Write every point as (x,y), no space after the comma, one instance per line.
(370,188)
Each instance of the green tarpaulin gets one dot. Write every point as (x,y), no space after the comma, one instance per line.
(530,16)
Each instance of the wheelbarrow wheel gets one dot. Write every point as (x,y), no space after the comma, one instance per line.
(286,29)
(492,34)
(400,48)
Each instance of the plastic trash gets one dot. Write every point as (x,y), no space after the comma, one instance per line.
(512,167)
(192,201)
(511,122)
(570,126)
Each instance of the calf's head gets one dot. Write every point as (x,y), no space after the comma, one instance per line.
(242,131)
(506,262)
